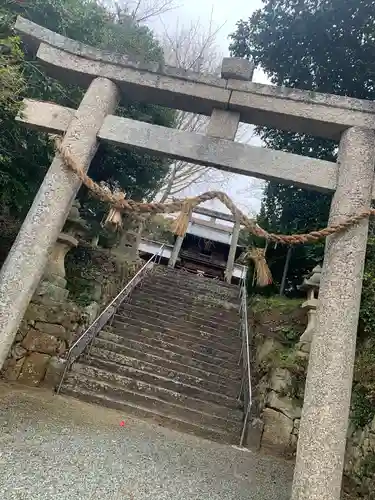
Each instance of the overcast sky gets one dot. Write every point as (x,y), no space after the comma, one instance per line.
(246,192)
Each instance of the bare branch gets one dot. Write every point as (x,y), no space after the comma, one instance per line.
(141,10)
(191,47)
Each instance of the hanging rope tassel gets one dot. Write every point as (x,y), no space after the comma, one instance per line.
(181,223)
(262,271)
(113,221)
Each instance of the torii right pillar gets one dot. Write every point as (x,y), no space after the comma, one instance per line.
(325,415)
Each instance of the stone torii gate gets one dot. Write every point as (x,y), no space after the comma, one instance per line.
(227,100)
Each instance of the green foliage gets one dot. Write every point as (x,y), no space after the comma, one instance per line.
(282,304)
(362,409)
(158,228)
(367,316)
(318,46)
(289,359)
(25,154)
(95,274)
(368,466)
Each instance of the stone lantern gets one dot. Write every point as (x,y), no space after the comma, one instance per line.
(311,286)
(54,283)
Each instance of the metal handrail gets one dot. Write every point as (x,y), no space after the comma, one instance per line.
(246,392)
(97,325)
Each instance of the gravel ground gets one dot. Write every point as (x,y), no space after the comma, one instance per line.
(54,447)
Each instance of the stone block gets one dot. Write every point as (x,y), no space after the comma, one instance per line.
(12,368)
(55,369)
(52,291)
(66,314)
(40,342)
(34,368)
(237,68)
(17,351)
(269,345)
(280,379)
(53,329)
(277,431)
(254,434)
(296,424)
(223,124)
(285,405)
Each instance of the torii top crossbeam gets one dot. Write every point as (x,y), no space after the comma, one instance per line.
(322,115)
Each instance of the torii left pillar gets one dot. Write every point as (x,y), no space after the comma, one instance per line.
(24,266)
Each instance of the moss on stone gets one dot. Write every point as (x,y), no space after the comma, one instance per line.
(282,304)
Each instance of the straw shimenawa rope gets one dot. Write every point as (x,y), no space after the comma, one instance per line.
(186,206)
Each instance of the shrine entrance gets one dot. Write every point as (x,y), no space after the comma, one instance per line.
(228,100)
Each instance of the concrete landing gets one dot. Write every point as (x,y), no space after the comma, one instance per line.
(56,447)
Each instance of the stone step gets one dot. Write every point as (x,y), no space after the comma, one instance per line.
(189,299)
(162,318)
(181,383)
(219,435)
(174,317)
(213,294)
(78,381)
(115,336)
(215,314)
(232,344)
(216,296)
(167,395)
(123,343)
(172,365)
(149,335)
(177,274)
(197,378)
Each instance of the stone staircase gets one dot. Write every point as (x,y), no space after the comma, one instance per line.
(171,355)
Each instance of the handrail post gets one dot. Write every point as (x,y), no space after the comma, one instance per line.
(245,355)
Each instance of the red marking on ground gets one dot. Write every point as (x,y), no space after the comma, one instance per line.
(122,423)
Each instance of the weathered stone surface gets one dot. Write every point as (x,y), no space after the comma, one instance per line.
(284,404)
(52,291)
(254,434)
(40,342)
(187,95)
(296,426)
(91,312)
(53,329)
(237,68)
(34,368)
(55,369)
(12,368)
(55,268)
(280,379)
(226,155)
(223,124)
(321,115)
(324,422)
(277,431)
(66,314)
(33,34)
(268,346)
(18,351)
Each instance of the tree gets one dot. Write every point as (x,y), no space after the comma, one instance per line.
(194,48)
(324,46)
(25,155)
(141,11)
